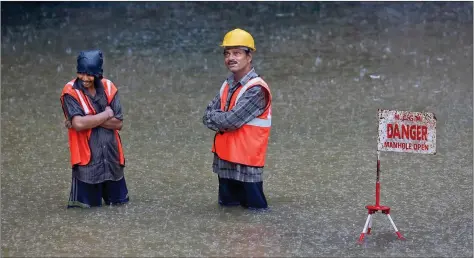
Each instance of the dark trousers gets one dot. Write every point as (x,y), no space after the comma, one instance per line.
(90,195)
(248,195)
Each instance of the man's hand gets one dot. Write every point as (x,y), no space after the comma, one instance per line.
(109,112)
(67,124)
(112,123)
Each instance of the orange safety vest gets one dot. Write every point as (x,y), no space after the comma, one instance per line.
(248,144)
(79,140)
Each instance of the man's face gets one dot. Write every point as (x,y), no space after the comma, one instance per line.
(236,59)
(88,80)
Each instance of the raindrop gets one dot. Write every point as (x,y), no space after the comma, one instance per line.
(318,61)
(285,14)
(68,50)
(375,76)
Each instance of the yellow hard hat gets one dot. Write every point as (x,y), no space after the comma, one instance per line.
(238,37)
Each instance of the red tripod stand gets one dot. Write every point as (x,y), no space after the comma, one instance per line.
(372,209)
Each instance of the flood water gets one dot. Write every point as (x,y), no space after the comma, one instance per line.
(330,66)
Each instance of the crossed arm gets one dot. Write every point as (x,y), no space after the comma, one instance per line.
(102,119)
(250,105)
(79,121)
(113,124)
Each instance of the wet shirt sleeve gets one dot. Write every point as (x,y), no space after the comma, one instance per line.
(117,107)
(250,105)
(213,105)
(72,107)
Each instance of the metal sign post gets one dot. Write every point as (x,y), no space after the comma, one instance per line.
(400,131)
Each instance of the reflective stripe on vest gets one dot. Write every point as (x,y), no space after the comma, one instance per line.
(247,85)
(107,86)
(222,88)
(260,122)
(83,103)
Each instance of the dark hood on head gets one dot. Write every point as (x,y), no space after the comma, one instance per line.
(90,62)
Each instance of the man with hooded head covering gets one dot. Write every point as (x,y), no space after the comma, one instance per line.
(240,114)
(91,105)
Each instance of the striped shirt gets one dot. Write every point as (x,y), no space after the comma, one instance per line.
(250,105)
(104,164)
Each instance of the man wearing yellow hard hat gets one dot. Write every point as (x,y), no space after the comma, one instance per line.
(241,116)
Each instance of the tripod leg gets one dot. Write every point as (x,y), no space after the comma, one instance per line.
(361,238)
(395,227)
(370,225)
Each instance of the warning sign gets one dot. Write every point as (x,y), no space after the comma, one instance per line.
(403,131)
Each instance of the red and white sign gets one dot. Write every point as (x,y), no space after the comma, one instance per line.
(403,131)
